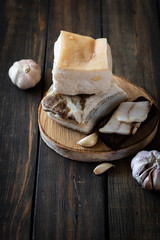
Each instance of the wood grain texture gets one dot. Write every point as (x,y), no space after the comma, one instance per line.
(69,197)
(133,30)
(71,202)
(23,35)
(64,140)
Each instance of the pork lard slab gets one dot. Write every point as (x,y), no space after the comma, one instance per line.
(82,112)
(82,65)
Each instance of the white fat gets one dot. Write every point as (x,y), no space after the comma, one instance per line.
(74,82)
(110,100)
(133,111)
(57,50)
(93,114)
(96,107)
(115,126)
(81,82)
(109,57)
(75,108)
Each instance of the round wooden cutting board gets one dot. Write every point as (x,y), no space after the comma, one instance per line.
(64,141)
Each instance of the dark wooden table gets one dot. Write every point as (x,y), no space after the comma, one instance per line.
(43,195)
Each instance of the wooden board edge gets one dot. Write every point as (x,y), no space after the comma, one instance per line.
(97,156)
(142,89)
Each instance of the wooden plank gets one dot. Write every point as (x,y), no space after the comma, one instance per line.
(67,204)
(69,197)
(132,28)
(23,35)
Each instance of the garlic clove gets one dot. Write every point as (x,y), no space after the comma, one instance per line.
(147,184)
(89,141)
(142,175)
(156,179)
(103,167)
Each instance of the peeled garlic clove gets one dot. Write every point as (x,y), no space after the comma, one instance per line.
(103,167)
(89,141)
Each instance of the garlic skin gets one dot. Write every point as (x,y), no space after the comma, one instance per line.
(146,169)
(25,73)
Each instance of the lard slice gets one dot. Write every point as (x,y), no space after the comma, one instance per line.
(133,111)
(115,126)
(82,65)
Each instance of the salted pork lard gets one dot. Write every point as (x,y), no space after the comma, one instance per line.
(82,65)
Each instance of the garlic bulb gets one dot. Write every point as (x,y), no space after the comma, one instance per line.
(146,169)
(25,73)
